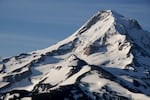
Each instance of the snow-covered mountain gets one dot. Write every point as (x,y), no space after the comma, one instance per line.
(108,58)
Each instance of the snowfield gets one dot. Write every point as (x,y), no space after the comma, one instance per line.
(107,58)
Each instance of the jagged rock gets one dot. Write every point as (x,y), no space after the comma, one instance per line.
(106,59)
(17,77)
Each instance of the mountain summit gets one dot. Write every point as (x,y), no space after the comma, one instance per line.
(106,59)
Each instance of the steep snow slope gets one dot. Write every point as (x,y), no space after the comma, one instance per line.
(108,57)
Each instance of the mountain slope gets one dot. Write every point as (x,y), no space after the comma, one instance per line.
(108,57)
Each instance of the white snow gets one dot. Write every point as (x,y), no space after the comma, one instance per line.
(26,98)
(115,53)
(72,79)
(96,83)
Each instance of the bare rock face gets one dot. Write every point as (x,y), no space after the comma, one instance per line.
(106,59)
(90,50)
(2,68)
(16,77)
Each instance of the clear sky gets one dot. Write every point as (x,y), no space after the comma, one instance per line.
(27,25)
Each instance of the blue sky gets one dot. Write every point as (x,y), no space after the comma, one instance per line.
(27,25)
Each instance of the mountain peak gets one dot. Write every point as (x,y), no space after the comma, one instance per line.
(110,12)
(110,18)
(108,52)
